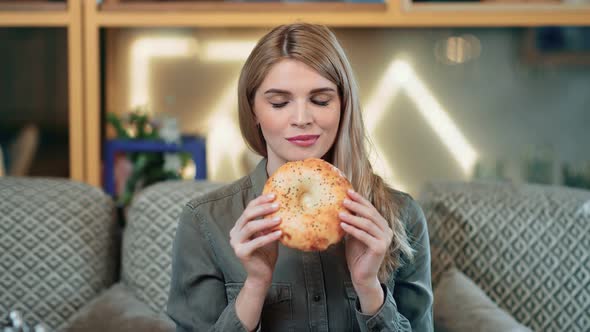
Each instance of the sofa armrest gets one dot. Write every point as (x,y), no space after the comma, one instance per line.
(461,306)
(118,310)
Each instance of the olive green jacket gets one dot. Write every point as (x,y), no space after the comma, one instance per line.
(310,291)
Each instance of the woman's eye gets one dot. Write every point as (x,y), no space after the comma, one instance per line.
(321,103)
(280,105)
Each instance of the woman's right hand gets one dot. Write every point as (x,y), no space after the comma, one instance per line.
(256,248)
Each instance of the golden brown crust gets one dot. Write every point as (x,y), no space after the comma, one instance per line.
(310,193)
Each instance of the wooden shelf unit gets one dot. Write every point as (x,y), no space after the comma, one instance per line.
(67,14)
(85,18)
(393,13)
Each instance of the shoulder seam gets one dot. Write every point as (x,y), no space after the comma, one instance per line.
(196,202)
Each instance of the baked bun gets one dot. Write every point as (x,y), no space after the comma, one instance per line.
(310,194)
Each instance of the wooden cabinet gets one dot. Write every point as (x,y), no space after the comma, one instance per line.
(66,14)
(84,20)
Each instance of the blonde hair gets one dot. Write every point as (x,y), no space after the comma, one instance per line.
(317,47)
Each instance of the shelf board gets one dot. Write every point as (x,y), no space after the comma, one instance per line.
(394,13)
(33,13)
(495,6)
(227,14)
(208,6)
(32,6)
(498,13)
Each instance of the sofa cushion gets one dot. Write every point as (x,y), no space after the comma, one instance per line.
(461,306)
(149,233)
(118,310)
(526,246)
(57,247)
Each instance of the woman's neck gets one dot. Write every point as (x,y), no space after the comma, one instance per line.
(272,166)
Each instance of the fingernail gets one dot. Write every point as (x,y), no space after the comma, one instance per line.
(347,201)
(351,191)
(275,205)
(277,232)
(270,195)
(342,214)
(275,219)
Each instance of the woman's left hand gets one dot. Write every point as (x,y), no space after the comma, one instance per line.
(368,240)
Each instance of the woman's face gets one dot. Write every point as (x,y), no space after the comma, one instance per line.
(298,111)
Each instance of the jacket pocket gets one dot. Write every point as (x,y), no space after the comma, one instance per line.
(277,312)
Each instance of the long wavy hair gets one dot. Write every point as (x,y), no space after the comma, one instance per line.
(318,47)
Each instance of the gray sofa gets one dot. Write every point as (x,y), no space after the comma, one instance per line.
(58,247)
(504,253)
(504,257)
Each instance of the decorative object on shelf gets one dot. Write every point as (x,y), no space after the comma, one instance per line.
(457,49)
(538,165)
(14,322)
(563,39)
(577,175)
(18,157)
(147,151)
(557,45)
(490,170)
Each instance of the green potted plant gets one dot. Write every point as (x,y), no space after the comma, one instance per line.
(148,167)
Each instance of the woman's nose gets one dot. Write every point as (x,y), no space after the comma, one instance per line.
(301,116)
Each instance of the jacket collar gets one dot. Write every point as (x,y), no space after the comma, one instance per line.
(258,177)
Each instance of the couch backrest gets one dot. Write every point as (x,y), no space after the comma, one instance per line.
(57,247)
(526,246)
(149,232)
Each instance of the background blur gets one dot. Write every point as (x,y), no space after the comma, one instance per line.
(464,101)
(499,103)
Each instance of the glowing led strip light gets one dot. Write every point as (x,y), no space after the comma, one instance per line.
(399,76)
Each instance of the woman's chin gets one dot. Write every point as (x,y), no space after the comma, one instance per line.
(303,156)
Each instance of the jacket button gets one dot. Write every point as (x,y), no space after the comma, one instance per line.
(316,298)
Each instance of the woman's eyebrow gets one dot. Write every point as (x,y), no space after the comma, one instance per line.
(322,90)
(285,92)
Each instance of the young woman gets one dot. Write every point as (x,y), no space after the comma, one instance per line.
(298,99)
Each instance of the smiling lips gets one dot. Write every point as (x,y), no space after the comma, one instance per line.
(303,140)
